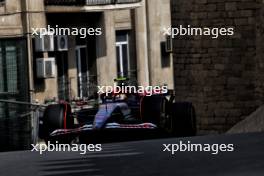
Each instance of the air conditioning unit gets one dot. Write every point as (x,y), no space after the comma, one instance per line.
(168,44)
(46,67)
(62,43)
(44,43)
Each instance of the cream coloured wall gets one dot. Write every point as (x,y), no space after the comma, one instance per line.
(146,22)
(106,51)
(158,17)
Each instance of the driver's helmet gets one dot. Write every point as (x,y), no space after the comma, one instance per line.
(121,97)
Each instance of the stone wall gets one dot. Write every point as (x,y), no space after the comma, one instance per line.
(223,77)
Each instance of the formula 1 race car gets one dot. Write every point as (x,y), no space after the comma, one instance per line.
(119,117)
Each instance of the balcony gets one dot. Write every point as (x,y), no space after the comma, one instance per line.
(89,5)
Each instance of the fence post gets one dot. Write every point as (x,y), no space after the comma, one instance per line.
(35,125)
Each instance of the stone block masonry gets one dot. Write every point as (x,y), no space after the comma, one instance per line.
(223,77)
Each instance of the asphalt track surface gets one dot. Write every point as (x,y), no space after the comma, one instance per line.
(144,158)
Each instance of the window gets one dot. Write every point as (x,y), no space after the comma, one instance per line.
(12,67)
(8,70)
(83,73)
(122,53)
(13,76)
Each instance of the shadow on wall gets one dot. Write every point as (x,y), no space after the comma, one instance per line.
(220,76)
(253,123)
(165,56)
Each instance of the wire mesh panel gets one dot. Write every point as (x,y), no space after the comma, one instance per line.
(88,2)
(99,2)
(15,127)
(15,131)
(126,1)
(64,88)
(87,85)
(64,2)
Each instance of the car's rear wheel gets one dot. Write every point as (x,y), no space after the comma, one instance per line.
(182,119)
(153,108)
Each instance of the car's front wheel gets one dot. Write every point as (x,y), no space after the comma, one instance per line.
(57,116)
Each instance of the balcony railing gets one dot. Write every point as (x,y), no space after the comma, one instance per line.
(88,2)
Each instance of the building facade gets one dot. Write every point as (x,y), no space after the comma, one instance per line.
(222,77)
(130,45)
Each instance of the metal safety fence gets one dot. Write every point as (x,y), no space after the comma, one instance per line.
(86,87)
(15,120)
(19,124)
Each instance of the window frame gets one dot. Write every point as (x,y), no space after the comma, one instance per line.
(119,47)
(2,2)
(20,58)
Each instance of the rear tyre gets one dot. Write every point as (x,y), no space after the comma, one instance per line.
(153,108)
(182,119)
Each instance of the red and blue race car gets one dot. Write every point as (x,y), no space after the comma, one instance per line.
(119,116)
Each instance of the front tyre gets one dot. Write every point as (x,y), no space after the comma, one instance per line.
(57,116)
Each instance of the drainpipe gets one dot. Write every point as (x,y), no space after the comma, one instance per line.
(148,44)
(34,116)
(29,51)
